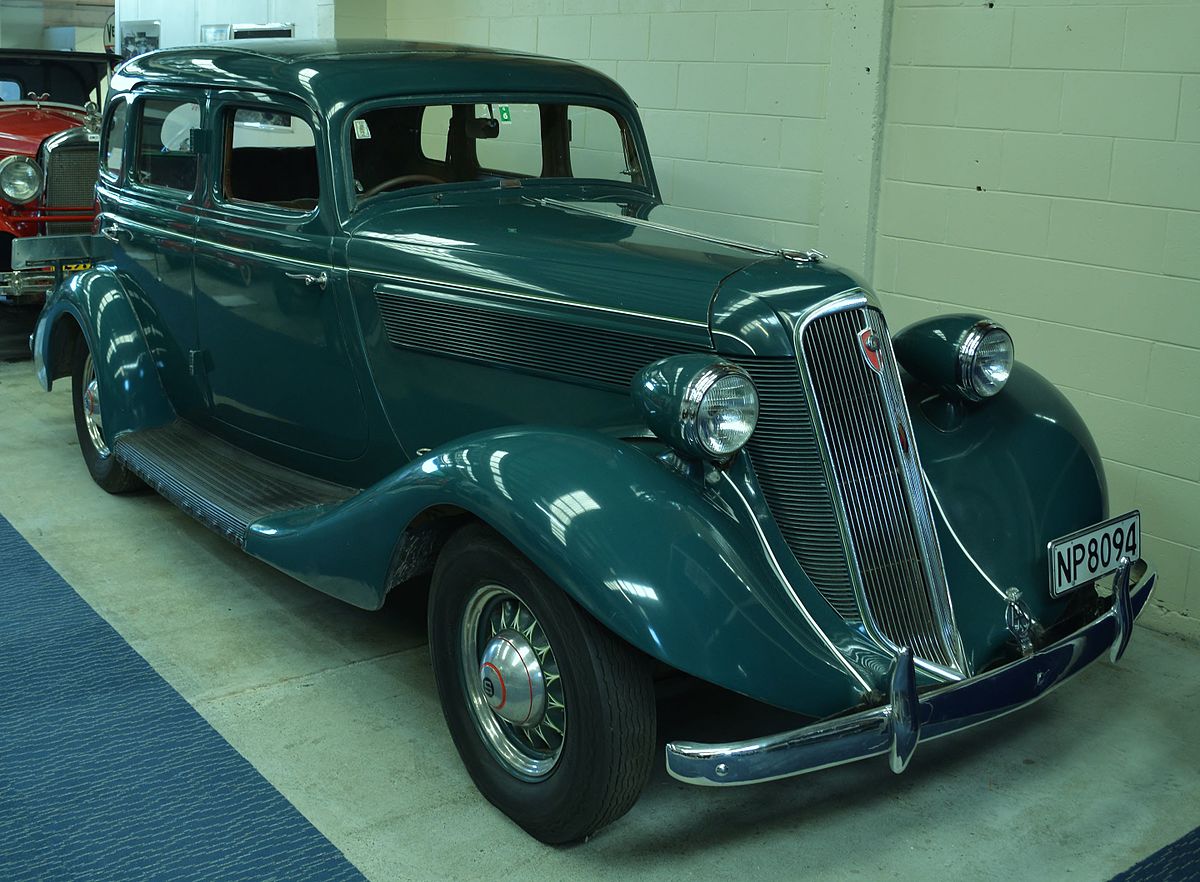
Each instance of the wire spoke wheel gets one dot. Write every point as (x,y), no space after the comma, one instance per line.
(514,683)
(552,714)
(90,401)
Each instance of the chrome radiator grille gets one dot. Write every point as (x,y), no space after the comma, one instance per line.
(71,183)
(867,434)
(787,461)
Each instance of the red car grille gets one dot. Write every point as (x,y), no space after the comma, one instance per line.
(71,183)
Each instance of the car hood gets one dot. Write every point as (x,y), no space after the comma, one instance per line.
(23,127)
(594,255)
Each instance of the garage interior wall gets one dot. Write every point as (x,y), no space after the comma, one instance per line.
(734,102)
(1039,162)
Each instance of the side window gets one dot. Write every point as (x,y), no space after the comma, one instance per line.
(270,159)
(10,90)
(166,157)
(113,154)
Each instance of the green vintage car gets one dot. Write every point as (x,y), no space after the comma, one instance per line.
(372,310)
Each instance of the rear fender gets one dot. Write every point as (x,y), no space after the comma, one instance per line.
(93,307)
(662,559)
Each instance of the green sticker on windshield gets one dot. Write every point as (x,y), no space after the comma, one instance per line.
(505,115)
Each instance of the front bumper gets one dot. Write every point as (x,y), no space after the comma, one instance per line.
(897,727)
(26,286)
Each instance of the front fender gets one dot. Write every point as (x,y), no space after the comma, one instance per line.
(1019,470)
(101,310)
(658,557)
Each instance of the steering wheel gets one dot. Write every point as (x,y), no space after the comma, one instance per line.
(400,181)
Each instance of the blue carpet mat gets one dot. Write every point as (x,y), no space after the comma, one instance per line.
(107,773)
(1178,862)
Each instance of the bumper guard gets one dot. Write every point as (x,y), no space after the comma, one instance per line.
(897,727)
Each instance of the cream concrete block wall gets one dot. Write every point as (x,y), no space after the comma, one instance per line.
(733,93)
(1041,164)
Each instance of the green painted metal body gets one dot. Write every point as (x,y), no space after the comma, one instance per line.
(472,352)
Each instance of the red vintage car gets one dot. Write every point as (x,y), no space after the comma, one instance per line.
(49,139)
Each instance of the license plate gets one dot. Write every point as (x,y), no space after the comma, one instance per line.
(76,267)
(1094,551)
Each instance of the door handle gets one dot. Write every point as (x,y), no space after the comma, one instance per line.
(320,280)
(114,232)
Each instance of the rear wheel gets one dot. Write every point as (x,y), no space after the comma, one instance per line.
(553,715)
(105,469)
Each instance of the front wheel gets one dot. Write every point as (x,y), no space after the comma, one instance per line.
(553,715)
(105,469)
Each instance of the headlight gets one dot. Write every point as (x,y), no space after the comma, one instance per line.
(703,406)
(962,355)
(21,179)
(985,359)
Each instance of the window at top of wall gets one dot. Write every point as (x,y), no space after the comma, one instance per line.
(270,159)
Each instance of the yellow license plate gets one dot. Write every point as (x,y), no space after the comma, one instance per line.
(76,267)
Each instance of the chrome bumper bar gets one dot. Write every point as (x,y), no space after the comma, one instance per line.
(897,727)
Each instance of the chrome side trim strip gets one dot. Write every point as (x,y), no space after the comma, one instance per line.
(401,279)
(655,225)
(795,598)
(429,285)
(223,246)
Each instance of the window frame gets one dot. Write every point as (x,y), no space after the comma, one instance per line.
(227,101)
(106,130)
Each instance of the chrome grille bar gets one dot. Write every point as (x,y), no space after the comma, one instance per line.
(869,442)
(787,462)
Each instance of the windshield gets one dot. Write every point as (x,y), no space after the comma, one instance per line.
(402,146)
(65,80)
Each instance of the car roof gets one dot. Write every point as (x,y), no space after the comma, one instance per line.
(338,72)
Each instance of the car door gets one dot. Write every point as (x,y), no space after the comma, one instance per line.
(151,219)
(269,305)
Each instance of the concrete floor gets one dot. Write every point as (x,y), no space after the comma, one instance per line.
(337,708)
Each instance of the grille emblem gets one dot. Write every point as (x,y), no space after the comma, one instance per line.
(870,346)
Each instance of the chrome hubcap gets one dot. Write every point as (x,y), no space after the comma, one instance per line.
(513,684)
(92,416)
(510,675)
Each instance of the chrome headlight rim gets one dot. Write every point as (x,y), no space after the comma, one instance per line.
(701,383)
(18,159)
(968,352)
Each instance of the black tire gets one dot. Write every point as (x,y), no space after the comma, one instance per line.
(105,469)
(607,750)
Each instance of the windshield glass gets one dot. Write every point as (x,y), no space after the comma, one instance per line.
(64,80)
(401,146)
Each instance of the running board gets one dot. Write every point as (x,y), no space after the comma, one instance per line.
(220,485)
